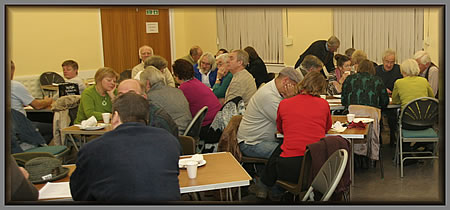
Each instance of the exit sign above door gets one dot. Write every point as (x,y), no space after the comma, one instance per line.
(152,12)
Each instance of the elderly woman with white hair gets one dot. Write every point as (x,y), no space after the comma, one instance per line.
(411,86)
(223,78)
(205,69)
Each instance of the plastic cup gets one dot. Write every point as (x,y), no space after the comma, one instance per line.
(106,117)
(191,167)
(350,117)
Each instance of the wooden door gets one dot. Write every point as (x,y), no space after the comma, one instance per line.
(124,31)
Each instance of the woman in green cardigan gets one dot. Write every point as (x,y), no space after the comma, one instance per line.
(223,78)
(97,99)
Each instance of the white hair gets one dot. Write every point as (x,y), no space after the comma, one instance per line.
(422,57)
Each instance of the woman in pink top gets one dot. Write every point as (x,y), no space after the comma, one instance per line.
(197,93)
(303,119)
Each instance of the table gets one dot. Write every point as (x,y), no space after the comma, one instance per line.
(221,171)
(50,88)
(335,104)
(77,131)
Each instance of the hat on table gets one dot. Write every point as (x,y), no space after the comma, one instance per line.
(45,169)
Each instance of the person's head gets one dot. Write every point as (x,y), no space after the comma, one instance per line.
(311,63)
(348,52)
(333,43)
(366,66)
(409,68)
(206,62)
(423,59)
(252,54)
(126,74)
(70,69)
(150,77)
(238,60)
(182,70)
(388,59)
(156,61)
(313,84)
(145,52)
(129,107)
(131,85)
(195,53)
(13,69)
(105,78)
(222,62)
(343,62)
(287,75)
(357,57)
(221,51)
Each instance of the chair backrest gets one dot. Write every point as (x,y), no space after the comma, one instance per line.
(195,125)
(420,113)
(187,144)
(47,78)
(329,175)
(305,172)
(228,139)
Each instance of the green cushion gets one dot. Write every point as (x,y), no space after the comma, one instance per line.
(50,149)
(427,133)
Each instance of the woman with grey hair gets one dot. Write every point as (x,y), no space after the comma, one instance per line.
(205,69)
(224,77)
(161,64)
(411,86)
(170,98)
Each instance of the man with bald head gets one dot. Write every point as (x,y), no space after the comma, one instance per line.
(144,52)
(194,54)
(158,116)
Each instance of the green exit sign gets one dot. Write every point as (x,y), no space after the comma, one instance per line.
(152,12)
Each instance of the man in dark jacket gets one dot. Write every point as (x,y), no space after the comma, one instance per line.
(132,163)
(324,50)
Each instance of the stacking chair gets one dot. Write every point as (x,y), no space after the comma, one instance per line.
(416,122)
(328,176)
(188,145)
(48,78)
(193,129)
(301,186)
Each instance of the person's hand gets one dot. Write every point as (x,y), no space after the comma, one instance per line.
(48,100)
(24,172)
(220,73)
(111,92)
(389,91)
(289,90)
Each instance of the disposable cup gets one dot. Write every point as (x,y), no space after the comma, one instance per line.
(350,117)
(191,167)
(106,117)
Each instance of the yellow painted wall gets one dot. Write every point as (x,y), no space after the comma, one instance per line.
(195,26)
(42,38)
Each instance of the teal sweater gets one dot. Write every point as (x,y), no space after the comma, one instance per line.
(92,104)
(220,89)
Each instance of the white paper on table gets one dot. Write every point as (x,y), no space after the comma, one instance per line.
(335,100)
(55,190)
(337,126)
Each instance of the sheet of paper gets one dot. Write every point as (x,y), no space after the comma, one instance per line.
(55,190)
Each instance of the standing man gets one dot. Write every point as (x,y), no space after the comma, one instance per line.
(194,54)
(428,70)
(324,50)
(389,72)
(243,83)
(131,163)
(256,134)
(70,71)
(144,52)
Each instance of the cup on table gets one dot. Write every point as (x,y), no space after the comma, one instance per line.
(191,167)
(106,117)
(350,117)
(324,96)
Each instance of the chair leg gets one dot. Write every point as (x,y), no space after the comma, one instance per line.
(381,163)
(401,157)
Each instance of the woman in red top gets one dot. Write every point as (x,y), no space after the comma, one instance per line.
(303,119)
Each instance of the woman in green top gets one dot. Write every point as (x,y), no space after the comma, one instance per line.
(223,78)
(97,99)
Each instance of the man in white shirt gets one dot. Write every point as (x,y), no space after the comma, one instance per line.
(70,71)
(256,134)
(144,52)
(428,70)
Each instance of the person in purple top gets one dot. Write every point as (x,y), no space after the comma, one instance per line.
(197,93)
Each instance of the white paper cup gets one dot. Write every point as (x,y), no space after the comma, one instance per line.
(106,117)
(350,117)
(191,167)
(324,96)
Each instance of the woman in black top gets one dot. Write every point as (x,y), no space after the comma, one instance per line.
(256,66)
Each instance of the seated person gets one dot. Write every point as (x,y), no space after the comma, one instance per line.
(220,52)
(161,64)
(97,98)
(132,163)
(144,52)
(343,68)
(172,99)
(70,71)
(158,116)
(126,74)
(205,69)
(428,69)
(303,119)
(20,97)
(256,66)
(223,78)
(196,93)
(310,63)
(194,55)
(21,188)
(256,133)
